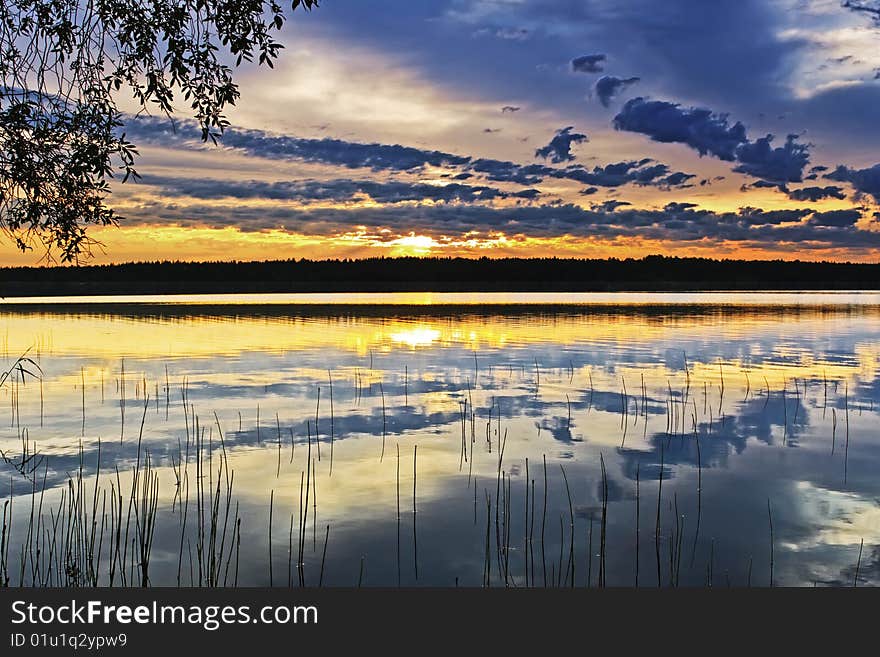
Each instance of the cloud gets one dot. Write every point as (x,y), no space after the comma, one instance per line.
(505,33)
(763,184)
(816,193)
(608,86)
(678,207)
(397,158)
(152,130)
(666,122)
(513,33)
(782,164)
(610,205)
(731,52)
(504,171)
(611,175)
(866,7)
(639,172)
(339,190)
(865,181)
(758,217)
(798,228)
(836,218)
(712,134)
(588,63)
(677,179)
(559,148)
(647,175)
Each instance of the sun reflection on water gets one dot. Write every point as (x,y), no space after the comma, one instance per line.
(781,402)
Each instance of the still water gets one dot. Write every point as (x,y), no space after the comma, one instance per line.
(443,439)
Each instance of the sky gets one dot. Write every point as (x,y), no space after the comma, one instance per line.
(574,128)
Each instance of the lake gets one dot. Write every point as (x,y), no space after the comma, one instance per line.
(442,439)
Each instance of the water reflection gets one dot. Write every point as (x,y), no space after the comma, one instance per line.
(704,414)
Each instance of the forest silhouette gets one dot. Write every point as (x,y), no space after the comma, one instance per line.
(652,273)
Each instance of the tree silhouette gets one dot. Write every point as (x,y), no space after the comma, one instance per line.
(63,64)
(430,274)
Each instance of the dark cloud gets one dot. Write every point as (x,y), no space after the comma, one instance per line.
(383,157)
(844,115)
(711,133)
(758,217)
(649,174)
(781,164)
(678,207)
(738,56)
(866,7)
(559,148)
(800,229)
(589,191)
(264,144)
(816,193)
(612,175)
(677,179)
(504,171)
(719,52)
(763,184)
(332,190)
(836,218)
(529,194)
(639,172)
(701,129)
(608,86)
(865,181)
(610,205)
(588,63)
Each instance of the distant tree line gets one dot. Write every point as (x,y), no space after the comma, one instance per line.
(438,274)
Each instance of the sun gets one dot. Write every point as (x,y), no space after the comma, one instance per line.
(412,245)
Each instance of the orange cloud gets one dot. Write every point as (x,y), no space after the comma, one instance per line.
(148,243)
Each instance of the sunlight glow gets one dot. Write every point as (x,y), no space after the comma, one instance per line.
(422,336)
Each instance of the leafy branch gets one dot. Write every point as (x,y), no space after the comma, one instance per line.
(63,64)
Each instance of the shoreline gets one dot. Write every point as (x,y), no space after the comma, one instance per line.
(439,275)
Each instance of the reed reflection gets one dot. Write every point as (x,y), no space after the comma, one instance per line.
(525,431)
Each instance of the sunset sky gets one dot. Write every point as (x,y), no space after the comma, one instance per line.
(589,128)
